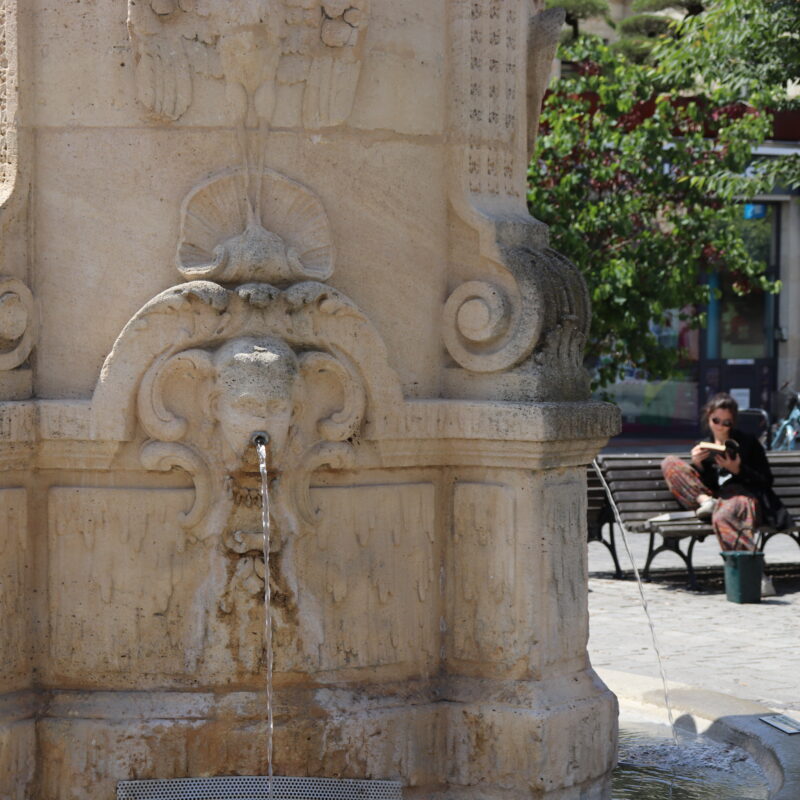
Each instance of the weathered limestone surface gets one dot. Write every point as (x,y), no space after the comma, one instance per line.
(304,218)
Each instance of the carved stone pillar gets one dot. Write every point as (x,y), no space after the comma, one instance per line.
(302,217)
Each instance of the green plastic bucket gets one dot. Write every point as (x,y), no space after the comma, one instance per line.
(743,570)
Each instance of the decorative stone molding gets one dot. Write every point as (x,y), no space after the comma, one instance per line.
(301,363)
(203,367)
(308,52)
(199,313)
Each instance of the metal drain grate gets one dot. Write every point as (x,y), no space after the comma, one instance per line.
(257,788)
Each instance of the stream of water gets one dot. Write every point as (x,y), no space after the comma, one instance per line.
(653,636)
(261,447)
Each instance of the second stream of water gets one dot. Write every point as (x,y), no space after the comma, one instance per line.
(652,768)
(643,598)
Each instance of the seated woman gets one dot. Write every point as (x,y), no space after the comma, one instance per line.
(732,488)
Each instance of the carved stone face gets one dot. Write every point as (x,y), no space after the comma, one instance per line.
(256,385)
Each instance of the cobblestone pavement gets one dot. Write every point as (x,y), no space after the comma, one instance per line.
(749,651)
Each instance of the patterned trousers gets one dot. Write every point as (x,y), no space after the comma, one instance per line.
(735,515)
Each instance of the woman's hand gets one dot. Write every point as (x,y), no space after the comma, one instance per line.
(699,455)
(732,463)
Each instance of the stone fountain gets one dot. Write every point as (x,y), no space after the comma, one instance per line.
(308,218)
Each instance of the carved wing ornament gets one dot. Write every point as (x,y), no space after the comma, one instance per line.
(259,47)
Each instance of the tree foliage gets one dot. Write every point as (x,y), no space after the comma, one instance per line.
(639,185)
(653,20)
(741,50)
(645,25)
(747,48)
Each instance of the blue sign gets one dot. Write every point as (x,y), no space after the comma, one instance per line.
(755,210)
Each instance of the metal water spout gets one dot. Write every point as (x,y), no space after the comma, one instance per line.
(259,439)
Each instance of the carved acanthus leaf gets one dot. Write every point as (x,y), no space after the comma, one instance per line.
(164,456)
(156,419)
(324,454)
(345,422)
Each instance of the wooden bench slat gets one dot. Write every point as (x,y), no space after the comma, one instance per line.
(632,466)
(628,485)
(786,494)
(642,516)
(656,506)
(650,476)
(684,530)
(641,495)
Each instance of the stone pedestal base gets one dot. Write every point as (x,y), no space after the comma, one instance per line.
(500,746)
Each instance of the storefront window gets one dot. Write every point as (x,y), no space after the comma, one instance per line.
(740,325)
(650,406)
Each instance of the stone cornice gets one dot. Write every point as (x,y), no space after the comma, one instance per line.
(57,434)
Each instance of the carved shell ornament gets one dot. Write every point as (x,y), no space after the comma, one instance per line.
(282,237)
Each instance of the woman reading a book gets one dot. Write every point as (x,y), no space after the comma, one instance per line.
(728,479)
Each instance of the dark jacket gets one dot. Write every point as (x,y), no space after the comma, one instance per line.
(755,477)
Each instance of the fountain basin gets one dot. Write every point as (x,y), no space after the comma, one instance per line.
(718,716)
(652,767)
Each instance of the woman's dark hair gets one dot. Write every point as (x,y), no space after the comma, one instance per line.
(720,401)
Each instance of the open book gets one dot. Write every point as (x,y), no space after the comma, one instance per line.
(671,516)
(713,446)
(731,445)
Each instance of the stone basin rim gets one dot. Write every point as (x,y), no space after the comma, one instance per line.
(722,717)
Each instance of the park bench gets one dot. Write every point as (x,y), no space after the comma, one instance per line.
(638,489)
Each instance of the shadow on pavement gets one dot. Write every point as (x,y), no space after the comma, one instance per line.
(710,580)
